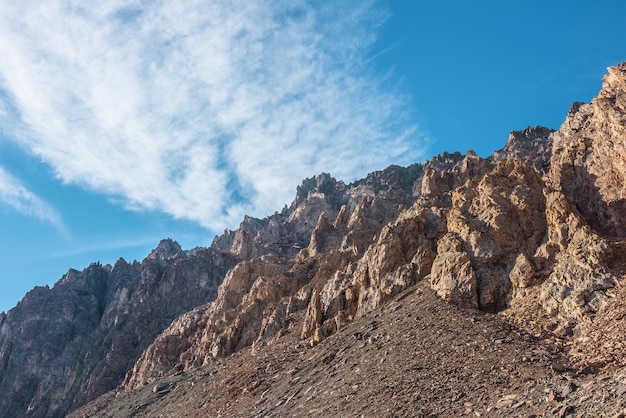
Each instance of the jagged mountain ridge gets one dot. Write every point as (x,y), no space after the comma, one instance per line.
(62,346)
(358,257)
(515,234)
(78,339)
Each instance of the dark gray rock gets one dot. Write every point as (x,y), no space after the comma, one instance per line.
(64,346)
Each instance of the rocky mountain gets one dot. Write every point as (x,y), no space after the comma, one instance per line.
(63,346)
(463,285)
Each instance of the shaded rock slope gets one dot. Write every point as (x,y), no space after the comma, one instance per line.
(64,346)
(460,286)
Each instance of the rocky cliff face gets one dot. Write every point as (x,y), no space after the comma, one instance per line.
(328,225)
(462,221)
(589,154)
(491,234)
(63,346)
(534,233)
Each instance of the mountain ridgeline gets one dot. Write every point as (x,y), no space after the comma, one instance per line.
(534,234)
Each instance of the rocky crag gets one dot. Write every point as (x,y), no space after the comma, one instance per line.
(63,346)
(534,236)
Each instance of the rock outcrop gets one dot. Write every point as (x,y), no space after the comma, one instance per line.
(532,146)
(467,223)
(589,157)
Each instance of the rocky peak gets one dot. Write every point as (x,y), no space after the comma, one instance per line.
(392,178)
(70,276)
(444,162)
(121,274)
(322,184)
(446,172)
(63,346)
(589,156)
(253,225)
(532,146)
(166,250)
(120,264)
(529,135)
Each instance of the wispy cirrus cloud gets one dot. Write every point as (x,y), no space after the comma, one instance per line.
(14,194)
(201,109)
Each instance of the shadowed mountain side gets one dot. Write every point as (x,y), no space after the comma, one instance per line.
(64,346)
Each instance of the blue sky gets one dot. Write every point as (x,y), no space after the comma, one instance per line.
(123,123)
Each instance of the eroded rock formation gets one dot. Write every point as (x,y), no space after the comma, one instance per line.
(534,233)
(259,296)
(486,233)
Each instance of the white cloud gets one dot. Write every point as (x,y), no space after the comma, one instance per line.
(17,196)
(201,109)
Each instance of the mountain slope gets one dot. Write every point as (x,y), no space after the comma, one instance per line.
(532,236)
(513,234)
(415,356)
(64,346)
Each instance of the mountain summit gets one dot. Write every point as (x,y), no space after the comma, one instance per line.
(461,286)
